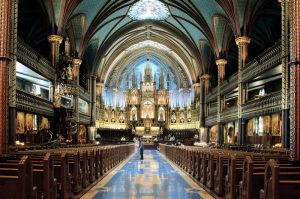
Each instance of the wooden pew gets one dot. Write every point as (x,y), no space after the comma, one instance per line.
(61,173)
(43,174)
(220,173)
(280,182)
(16,179)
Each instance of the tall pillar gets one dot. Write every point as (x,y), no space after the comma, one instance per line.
(7,40)
(93,99)
(242,43)
(204,86)
(197,100)
(221,63)
(285,74)
(13,74)
(76,66)
(295,79)
(55,41)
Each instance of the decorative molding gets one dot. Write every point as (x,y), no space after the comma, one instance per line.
(31,103)
(266,105)
(211,119)
(229,115)
(35,61)
(85,119)
(266,61)
(84,94)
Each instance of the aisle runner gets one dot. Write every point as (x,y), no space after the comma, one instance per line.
(152,178)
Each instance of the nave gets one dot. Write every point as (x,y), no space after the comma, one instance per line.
(153,177)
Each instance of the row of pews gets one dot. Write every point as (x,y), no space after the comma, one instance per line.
(237,174)
(57,173)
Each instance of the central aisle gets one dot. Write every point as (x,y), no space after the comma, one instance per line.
(152,178)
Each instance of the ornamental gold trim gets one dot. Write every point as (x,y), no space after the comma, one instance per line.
(242,40)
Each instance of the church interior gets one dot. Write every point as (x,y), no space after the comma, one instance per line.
(150,99)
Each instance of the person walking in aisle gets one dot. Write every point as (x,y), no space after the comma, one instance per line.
(141,147)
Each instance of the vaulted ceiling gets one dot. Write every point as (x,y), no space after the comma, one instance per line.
(197,32)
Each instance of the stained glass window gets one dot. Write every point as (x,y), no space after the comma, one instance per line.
(149,9)
(147,43)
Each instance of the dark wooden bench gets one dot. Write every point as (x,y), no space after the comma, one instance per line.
(16,179)
(280,182)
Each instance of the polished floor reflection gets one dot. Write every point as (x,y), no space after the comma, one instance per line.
(152,178)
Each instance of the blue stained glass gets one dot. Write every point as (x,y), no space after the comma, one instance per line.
(149,9)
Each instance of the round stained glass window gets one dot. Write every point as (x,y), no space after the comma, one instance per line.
(149,9)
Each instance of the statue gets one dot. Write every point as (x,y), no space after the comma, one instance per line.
(69,73)
(113,115)
(181,116)
(173,118)
(105,115)
(56,99)
(121,118)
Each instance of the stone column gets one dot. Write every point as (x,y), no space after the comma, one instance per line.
(76,66)
(285,74)
(242,43)
(221,63)
(55,41)
(93,100)
(197,91)
(295,79)
(13,74)
(204,85)
(8,8)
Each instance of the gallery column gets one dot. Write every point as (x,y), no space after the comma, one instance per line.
(76,66)
(221,63)
(7,25)
(242,43)
(13,74)
(295,79)
(285,74)
(204,86)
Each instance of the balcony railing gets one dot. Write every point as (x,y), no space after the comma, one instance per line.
(35,61)
(229,114)
(83,118)
(269,59)
(265,105)
(211,119)
(32,103)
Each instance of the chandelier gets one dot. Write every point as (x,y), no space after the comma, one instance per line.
(149,9)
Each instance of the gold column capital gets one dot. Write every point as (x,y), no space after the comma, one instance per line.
(205,77)
(282,1)
(55,39)
(196,84)
(77,62)
(243,40)
(221,62)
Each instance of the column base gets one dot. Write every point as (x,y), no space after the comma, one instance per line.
(12,125)
(241,132)
(285,128)
(220,134)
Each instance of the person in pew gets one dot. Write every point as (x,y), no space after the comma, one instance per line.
(141,147)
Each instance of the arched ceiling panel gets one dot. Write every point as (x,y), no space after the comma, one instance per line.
(76,29)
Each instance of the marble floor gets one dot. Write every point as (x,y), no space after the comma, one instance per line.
(151,178)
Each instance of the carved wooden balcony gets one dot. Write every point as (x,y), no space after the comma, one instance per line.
(35,61)
(269,59)
(32,103)
(229,114)
(211,119)
(212,94)
(265,105)
(84,118)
